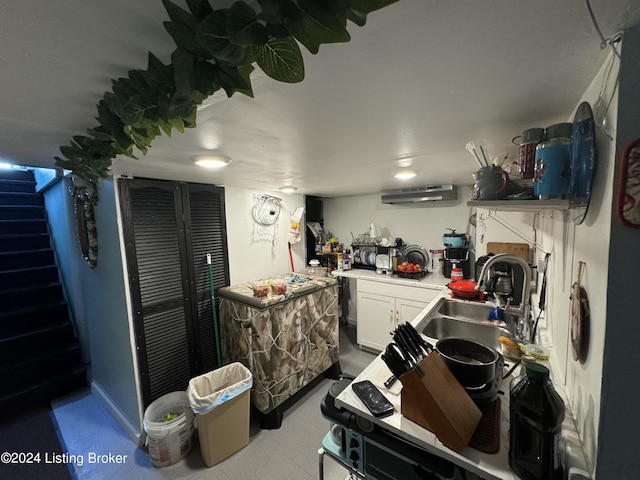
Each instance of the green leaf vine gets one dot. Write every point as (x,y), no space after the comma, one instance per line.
(215,49)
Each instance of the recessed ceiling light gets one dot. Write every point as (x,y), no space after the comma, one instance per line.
(405,174)
(288,189)
(211,161)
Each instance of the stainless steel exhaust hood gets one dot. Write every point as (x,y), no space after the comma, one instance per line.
(430,193)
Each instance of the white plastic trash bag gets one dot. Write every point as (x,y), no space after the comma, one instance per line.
(208,391)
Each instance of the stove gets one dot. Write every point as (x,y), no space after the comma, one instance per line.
(373,452)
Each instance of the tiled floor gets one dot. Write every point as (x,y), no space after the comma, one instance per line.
(288,453)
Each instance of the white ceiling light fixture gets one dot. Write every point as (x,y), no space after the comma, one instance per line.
(211,161)
(405,174)
(288,189)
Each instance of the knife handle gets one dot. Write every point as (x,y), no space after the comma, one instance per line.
(390,381)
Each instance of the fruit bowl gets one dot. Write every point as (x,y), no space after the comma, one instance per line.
(414,275)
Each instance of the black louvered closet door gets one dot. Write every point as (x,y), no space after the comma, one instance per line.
(169,227)
(207,233)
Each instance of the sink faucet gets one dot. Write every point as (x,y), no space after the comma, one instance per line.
(523,327)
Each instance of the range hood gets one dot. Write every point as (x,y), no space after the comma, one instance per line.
(420,194)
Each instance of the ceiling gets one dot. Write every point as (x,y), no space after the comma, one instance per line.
(411,89)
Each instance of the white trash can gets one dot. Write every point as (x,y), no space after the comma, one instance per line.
(168,423)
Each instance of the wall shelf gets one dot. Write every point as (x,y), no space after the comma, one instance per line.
(521,205)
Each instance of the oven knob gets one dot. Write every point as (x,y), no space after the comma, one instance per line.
(364,424)
(354,443)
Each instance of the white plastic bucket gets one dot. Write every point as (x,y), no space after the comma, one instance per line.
(169,441)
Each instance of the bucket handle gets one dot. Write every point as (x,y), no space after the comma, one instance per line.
(142,440)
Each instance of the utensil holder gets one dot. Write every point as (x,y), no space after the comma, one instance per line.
(434,399)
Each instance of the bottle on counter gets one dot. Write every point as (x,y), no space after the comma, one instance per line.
(395,256)
(456,273)
(347,260)
(536,412)
(437,261)
(314,267)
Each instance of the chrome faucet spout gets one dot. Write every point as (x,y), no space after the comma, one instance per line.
(523,309)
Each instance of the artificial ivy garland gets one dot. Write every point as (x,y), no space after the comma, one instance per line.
(216,49)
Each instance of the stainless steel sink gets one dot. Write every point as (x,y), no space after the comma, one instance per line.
(445,327)
(468,310)
(464,319)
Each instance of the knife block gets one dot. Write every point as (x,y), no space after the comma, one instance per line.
(434,399)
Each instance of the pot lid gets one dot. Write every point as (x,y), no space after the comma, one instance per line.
(466,286)
(454,234)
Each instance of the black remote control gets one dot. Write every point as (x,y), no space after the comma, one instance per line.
(373,398)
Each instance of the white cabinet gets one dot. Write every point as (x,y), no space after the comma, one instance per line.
(376,320)
(406,310)
(383,306)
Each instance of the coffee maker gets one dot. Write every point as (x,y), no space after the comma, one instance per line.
(457,257)
(456,253)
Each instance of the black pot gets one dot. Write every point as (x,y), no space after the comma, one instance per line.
(472,363)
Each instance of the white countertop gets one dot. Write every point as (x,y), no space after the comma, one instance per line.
(431,281)
(488,466)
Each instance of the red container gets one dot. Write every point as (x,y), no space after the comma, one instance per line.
(465,289)
(527,151)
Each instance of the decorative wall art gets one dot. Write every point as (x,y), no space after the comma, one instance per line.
(628,202)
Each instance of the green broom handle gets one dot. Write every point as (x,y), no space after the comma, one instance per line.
(213,308)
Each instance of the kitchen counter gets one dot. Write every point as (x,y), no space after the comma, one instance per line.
(430,281)
(488,466)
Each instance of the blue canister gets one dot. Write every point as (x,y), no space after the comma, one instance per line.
(553,162)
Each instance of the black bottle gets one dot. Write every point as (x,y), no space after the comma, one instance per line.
(536,414)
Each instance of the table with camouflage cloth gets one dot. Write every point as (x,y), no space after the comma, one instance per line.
(286,342)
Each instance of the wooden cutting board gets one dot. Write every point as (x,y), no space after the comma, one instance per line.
(519,249)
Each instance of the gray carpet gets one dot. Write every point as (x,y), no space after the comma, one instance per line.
(287,453)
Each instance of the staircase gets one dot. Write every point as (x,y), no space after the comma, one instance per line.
(39,352)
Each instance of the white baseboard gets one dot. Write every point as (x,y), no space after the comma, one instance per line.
(104,398)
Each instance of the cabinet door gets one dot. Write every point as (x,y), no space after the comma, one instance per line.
(406,310)
(169,227)
(376,319)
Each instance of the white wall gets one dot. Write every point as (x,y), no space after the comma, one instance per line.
(589,243)
(256,252)
(569,244)
(418,224)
